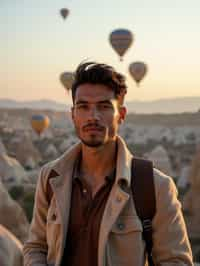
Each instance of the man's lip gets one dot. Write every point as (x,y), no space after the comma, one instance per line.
(93,129)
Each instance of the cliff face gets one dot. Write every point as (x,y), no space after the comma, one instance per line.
(12,216)
(191,206)
(10,249)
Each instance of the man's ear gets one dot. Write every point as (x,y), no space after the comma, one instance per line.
(122,114)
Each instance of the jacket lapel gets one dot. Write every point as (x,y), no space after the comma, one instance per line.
(63,197)
(116,202)
(117,198)
(62,188)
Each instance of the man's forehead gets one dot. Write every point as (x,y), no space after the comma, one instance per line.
(96,100)
(88,92)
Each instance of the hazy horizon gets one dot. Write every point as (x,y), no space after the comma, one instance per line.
(128,100)
(173,105)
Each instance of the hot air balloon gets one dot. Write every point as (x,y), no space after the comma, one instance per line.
(121,40)
(39,123)
(64,12)
(66,79)
(138,70)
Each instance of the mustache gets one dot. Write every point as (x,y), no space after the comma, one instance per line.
(91,125)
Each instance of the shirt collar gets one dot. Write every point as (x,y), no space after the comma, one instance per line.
(77,174)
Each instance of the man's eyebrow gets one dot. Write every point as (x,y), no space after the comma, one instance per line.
(99,102)
(105,101)
(81,102)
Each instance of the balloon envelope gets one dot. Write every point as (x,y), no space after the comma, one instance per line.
(64,12)
(66,79)
(138,70)
(39,123)
(121,40)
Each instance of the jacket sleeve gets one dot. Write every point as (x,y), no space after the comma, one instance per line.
(35,249)
(171,246)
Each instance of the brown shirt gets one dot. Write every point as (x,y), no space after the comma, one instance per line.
(81,246)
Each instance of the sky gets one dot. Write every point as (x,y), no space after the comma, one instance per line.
(36,45)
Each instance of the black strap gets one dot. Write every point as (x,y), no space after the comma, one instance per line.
(143,190)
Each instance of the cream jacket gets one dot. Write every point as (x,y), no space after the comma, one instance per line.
(120,238)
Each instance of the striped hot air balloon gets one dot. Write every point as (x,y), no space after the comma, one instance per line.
(39,123)
(64,12)
(121,40)
(66,79)
(138,70)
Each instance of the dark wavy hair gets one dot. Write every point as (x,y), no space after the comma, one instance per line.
(96,73)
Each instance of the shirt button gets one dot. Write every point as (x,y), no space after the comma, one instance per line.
(119,198)
(121,226)
(54,217)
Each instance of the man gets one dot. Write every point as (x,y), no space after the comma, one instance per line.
(84,211)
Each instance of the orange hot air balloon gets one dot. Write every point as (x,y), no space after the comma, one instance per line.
(121,40)
(138,70)
(39,123)
(66,79)
(64,12)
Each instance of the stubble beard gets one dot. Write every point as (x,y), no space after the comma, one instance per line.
(92,142)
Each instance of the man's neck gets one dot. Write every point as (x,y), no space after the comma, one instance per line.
(97,163)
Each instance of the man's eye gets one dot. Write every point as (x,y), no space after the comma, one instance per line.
(82,106)
(105,106)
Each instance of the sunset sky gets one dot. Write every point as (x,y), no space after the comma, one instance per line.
(36,45)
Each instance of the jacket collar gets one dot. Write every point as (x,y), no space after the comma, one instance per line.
(65,163)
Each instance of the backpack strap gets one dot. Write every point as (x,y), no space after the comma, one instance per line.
(143,190)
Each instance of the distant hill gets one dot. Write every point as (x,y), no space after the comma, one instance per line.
(173,105)
(40,104)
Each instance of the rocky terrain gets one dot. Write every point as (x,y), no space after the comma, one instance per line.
(170,140)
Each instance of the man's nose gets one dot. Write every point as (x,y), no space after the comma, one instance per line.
(94,113)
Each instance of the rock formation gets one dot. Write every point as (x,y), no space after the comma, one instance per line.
(2,148)
(192,198)
(11,170)
(10,249)
(26,153)
(160,159)
(12,216)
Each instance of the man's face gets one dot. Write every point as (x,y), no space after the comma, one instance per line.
(96,114)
